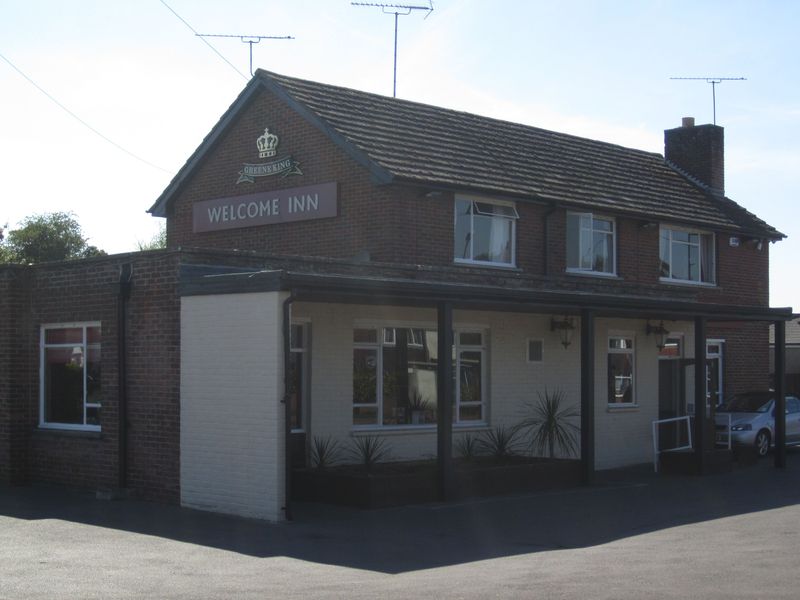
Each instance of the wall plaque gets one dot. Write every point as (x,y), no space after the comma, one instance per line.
(267,145)
(266,208)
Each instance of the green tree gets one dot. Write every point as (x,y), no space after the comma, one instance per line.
(157,242)
(46,237)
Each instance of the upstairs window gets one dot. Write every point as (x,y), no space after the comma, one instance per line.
(590,244)
(484,232)
(687,255)
(70,387)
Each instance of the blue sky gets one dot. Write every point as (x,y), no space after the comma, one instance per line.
(137,74)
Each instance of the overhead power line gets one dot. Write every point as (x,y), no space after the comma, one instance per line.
(77,118)
(205,41)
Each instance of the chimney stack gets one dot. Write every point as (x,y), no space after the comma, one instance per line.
(698,150)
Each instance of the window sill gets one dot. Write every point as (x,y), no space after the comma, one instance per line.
(592,274)
(686,283)
(486,265)
(615,408)
(412,429)
(53,431)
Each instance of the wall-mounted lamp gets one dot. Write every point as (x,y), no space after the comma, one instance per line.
(565,328)
(660,332)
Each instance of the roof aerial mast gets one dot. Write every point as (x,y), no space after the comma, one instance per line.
(397,10)
(247,39)
(713,81)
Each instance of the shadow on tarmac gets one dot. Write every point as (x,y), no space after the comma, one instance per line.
(624,503)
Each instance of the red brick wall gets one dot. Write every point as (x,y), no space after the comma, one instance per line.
(404,224)
(87,291)
(153,373)
(745,355)
(13,455)
(360,204)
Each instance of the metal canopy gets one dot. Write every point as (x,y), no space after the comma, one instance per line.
(355,289)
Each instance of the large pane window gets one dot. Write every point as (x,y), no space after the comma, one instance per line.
(484,232)
(71,392)
(687,255)
(590,244)
(395,378)
(621,371)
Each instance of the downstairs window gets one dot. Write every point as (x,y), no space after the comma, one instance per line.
(395,378)
(70,386)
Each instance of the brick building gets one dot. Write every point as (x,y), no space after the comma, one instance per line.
(326,246)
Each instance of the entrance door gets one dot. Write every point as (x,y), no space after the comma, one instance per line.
(671,400)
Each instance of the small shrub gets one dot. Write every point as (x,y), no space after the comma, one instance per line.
(325,452)
(467,446)
(369,450)
(500,442)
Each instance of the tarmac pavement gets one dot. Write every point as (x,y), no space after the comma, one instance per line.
(633,535)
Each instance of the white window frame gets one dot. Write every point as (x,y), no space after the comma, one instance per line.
(458,347)
(613,234)
(720,355)
(528,350)
(303,349)
(712,270)
(513,219)
(42,364)
(630,351)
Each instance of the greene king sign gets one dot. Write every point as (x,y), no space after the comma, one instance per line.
(265,208)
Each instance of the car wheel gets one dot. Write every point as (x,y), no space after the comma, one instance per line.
(762,442)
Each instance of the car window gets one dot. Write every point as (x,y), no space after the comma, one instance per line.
(755,402)
(792,405)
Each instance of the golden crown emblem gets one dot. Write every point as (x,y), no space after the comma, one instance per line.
(267,144)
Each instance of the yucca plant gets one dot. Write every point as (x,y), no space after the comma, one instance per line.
(368,450)
(500,442)
(467,446)
(550,425)
(325,452)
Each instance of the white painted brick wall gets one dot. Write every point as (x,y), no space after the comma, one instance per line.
(622,436)
(232,418)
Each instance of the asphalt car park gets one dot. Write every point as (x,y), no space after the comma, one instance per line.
(632,535)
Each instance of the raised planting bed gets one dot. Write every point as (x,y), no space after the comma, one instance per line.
(393,484)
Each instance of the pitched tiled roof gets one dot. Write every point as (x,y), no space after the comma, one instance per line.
(410,142)
(431,145)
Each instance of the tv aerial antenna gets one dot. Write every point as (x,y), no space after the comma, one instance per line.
(713,81)
(247,39)
(398,10)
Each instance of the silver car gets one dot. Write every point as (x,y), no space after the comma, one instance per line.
(753,420)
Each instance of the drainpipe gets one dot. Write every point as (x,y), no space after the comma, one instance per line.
(287,356)
(123,295)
